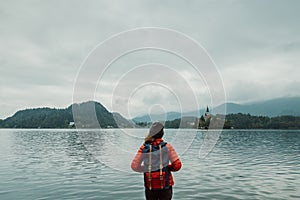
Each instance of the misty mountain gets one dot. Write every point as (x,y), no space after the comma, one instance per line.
(169,116)
(274,107)
(157,117)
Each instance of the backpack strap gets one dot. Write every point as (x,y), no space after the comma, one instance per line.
(160,168)
(149,167)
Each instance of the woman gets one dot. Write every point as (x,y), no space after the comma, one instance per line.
(156,159)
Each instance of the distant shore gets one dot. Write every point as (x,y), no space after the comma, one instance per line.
(232,121)
(93,114)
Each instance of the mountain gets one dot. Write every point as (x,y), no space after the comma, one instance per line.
(273,107)
(157,117)
(64,118)
(123,122)
(169,116)
(92,114)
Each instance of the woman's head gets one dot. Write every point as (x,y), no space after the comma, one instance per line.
(156,131)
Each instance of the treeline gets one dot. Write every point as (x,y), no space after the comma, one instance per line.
(39,118)
(244,121)
(61,118)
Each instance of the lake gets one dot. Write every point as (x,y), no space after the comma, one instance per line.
(95,164)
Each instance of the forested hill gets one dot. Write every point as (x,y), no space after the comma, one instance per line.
(59,118)
(39,118)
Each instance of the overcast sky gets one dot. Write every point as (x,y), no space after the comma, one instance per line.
(255,45)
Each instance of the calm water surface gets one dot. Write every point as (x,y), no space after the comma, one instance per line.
(57,164)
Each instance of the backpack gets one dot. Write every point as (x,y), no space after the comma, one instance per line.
(156,160)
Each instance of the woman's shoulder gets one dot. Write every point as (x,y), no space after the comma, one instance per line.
(169,146)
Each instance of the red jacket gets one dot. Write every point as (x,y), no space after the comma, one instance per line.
(174,161)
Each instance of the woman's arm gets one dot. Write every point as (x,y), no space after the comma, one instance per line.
(175,161)
(136,164)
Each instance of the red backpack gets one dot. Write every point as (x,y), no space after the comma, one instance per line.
(156,160)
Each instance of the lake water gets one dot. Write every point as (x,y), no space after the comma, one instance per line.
(95,164)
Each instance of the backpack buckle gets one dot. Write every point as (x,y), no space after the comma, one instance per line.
(161,177)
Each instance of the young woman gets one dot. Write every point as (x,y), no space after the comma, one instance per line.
(157,159)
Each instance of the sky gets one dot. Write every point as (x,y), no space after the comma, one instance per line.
(255,46)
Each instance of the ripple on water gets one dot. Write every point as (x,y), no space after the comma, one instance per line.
(54,164)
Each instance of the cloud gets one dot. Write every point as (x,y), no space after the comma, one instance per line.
(147,85)
(268,76)
(255,45)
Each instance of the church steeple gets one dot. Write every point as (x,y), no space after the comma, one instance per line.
(207,114)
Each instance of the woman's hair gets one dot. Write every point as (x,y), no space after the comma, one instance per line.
(149,139)
(156,131)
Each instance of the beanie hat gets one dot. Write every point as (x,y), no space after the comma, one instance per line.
(156,130)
